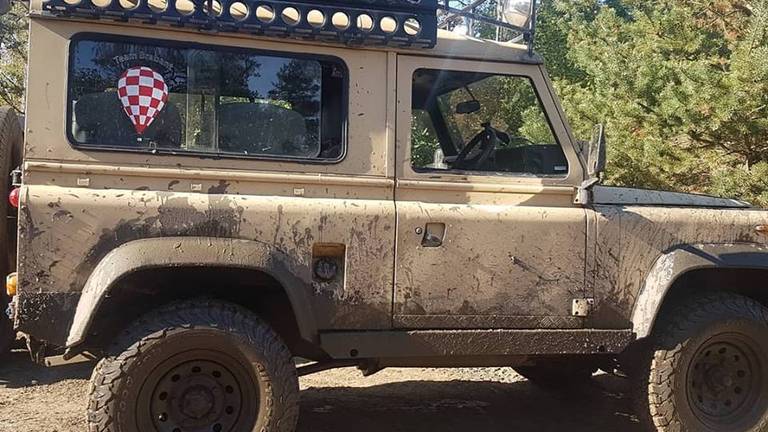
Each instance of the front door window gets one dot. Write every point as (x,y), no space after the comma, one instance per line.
(481,122)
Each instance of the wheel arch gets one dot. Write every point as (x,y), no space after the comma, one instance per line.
(675,272)
(227,257)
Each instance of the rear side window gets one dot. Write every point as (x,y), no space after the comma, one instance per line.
(158,96)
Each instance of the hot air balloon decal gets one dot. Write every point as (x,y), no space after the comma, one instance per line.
(143,93)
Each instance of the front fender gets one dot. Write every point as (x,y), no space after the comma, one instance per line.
(682,259)
(191,251)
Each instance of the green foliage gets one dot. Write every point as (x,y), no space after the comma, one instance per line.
(298,84)
(750,184)
(13,56)
(509,103)
(681,84)
(423,140)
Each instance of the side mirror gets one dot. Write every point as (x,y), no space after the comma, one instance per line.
(5,6)
(467,107)
(596,149)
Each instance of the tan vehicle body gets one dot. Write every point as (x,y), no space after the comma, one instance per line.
(519,257)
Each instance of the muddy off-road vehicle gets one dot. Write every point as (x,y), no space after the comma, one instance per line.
(211,190)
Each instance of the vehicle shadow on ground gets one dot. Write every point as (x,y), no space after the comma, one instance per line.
(17,370)
(418,406)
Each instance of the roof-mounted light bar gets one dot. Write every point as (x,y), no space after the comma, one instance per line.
(364,22)
(402,23)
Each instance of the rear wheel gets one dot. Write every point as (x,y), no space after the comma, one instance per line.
(196,366)
(707,368)
(10,153)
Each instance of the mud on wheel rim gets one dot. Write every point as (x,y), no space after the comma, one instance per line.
(198,391)
(726,382)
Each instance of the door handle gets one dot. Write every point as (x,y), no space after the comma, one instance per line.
(434,234)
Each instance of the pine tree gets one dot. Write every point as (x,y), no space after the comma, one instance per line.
(679,83)
(13,56)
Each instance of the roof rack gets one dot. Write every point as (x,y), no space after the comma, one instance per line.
(524,32)
(364,22)
(400,23)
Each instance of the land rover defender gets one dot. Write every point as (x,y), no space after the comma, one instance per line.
(212,189)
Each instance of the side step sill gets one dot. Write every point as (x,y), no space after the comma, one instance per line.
(450,343)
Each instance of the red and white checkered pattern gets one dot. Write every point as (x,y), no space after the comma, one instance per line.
(143,93)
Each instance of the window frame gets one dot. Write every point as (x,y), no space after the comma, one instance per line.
(503,174)
(112,38)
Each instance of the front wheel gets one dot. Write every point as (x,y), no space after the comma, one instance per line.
(706,368)
(195,366)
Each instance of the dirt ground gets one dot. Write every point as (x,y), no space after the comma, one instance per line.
(36,399)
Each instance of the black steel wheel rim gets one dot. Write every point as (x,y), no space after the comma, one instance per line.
(198,391)
(726,382)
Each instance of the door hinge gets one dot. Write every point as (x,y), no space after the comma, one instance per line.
(582,196)
(582,307)
(16,178)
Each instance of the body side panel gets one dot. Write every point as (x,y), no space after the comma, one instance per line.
(67,232)
(79,205)
(607,195)
(199,252)
(673,264)
(631,239)
(367,153)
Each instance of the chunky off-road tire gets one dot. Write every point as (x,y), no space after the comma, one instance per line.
(10,152)
(557,373)
(706,368)
(196,365)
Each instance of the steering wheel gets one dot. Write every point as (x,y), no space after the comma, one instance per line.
(487,139)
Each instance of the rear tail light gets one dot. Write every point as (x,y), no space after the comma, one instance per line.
(13,197)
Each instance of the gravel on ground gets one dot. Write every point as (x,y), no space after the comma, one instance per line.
(38,399)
